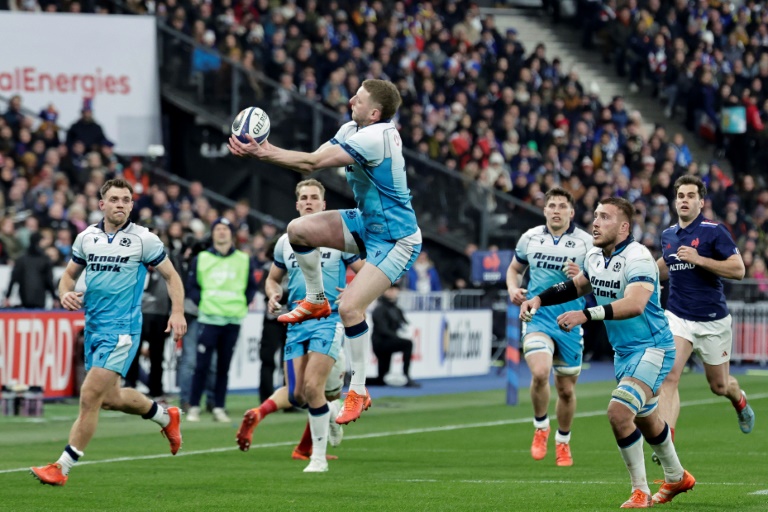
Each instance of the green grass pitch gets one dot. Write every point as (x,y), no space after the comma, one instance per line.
(464,451)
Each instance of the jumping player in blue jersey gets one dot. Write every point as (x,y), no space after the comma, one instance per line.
(314,362)
(625,280)
(551,252)
(697,255)
(382,228)
(114,254)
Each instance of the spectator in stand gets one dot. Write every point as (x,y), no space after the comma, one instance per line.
(12,247)
(86,129)
(388,320)
(34,276)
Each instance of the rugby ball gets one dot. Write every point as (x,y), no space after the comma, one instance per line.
(252,121)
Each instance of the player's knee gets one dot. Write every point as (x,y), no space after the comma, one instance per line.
(350,313)
(718,387)
(619,417)
(297,232)
(566,393)
(540,375)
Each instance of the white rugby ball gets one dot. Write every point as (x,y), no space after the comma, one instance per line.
(252,121)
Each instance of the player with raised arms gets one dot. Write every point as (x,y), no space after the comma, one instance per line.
(382,229)
(625,280)
(551,251)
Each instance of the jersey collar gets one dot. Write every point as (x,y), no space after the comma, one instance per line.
(571,228)
(693,225)
(111,236)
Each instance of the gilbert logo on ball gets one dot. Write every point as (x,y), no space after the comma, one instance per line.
(252,121)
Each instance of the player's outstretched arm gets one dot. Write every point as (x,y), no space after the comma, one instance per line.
(70,299)
(328,155)
(176,322)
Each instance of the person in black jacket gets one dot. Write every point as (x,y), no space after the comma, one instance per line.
(388,319)
(33,272)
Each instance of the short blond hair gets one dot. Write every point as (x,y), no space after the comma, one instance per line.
(310,183)
(384,94)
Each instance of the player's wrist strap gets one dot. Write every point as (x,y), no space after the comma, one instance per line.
(599,312)
(559,294)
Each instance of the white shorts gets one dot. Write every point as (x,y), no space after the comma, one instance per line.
(711,340)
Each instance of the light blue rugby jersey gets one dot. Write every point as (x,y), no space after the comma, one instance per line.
(378,178)
(546,256)
(115,272)
(333,263)
(631,262)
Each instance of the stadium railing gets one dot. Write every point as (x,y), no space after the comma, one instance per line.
(445,199)
(750,332)
(447,300)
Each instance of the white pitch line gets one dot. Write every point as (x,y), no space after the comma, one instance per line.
(374,435)
(554,482)
(764,491)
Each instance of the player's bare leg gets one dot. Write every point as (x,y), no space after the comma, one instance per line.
(722,383)
(669,398)
(367,286)
(540,365)
(565,410)
(305,234)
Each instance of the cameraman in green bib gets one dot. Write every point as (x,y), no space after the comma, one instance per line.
(221,282)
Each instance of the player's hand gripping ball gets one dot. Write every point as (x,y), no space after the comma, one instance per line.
(252,121)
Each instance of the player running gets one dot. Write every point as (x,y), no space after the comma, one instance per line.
(114,254)
(625,280)
(697,255)
(313,350)
(549,251)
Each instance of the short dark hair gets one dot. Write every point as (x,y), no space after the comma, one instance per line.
(117,183)
(690,179)
(622,204)
(560,192)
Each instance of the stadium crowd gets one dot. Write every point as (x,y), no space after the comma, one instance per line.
(475,100)
(708,60)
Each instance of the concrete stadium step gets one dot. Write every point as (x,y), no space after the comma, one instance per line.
(563,40)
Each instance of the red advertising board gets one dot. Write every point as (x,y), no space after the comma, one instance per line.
(37,349)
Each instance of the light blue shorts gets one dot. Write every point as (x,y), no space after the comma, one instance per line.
(324,336)
(393,257)
(648,365)
(567,347)
(111,351)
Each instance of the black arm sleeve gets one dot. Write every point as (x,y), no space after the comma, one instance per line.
(559,294)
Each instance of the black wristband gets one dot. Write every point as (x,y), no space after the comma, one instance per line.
(559,294)
(587,314)
(608,311)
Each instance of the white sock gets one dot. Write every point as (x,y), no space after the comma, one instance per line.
(335,407)
(560,438)
(310,266)
(161,416)
(359,350)
(318,425)
(541,424)
(66,461)
(673,470)
(635,462)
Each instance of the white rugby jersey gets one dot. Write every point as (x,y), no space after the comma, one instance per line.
(115,271)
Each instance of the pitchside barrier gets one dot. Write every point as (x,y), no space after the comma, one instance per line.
(452,331)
